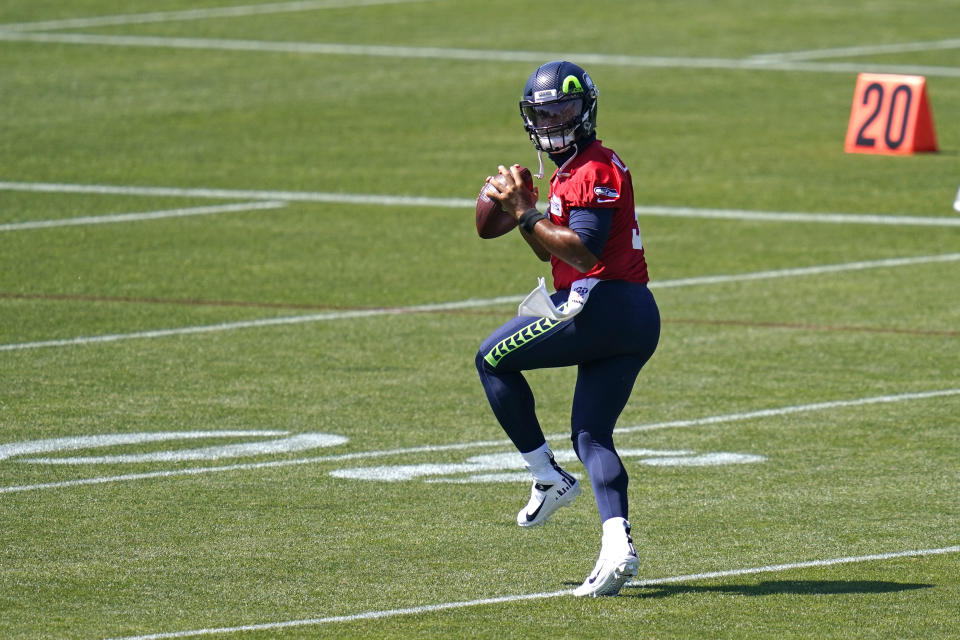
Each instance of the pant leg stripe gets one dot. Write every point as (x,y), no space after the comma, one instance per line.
(510,344)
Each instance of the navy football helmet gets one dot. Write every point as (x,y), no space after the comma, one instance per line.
(559,106)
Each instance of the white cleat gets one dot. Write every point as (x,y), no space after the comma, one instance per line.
(617,564)
(609,576)
(546,499)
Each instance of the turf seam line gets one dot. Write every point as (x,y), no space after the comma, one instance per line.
(302,306)
(431,608)
(468,304)
(461,446)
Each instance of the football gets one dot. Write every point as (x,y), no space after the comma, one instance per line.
(492,220)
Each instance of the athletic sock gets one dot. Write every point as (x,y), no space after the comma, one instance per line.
(616,534)
(541,465)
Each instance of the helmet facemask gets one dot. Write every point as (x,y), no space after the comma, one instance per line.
(554,126)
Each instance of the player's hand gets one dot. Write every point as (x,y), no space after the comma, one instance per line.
(508,188)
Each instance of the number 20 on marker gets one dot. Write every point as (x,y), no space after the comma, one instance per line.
(890,115)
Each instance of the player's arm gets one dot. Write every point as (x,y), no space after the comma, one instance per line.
(538,248)
(579,245)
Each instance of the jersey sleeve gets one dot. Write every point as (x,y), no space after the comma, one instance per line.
(599,187)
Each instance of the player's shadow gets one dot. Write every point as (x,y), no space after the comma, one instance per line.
(776,587)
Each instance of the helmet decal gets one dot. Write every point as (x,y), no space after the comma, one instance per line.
(543,96)
(572,80)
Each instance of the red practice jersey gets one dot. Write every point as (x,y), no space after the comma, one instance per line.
(597,179)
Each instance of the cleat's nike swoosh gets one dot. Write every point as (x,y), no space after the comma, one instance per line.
(545,499)
(533,516)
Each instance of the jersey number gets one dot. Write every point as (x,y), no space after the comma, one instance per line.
(637,240)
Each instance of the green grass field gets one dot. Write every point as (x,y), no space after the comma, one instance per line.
(292,262)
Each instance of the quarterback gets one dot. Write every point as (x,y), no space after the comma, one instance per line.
(601,318)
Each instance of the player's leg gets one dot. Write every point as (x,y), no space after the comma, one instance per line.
(602,391)
(515,347)
(521,344)
(603,388)
(617,319)
(620,318)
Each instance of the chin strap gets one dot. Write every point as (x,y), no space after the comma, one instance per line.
(576,150)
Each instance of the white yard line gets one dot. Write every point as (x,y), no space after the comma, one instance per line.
(196,14)
(863,50)
(471,304)
(796,216)
(388,200)
(314,5)
(264,322)
(250,194)
(145,215)
(483,444)
(446,606)
(480,55)
(782,411)
(252,466)
(807,271)
(790,566)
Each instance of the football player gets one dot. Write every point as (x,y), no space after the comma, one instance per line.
(602,318)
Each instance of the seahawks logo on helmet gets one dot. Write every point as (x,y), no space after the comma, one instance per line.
(559,106)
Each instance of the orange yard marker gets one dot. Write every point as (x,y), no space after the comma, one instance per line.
(890,115)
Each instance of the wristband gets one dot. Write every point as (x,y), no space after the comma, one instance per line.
(529,218)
